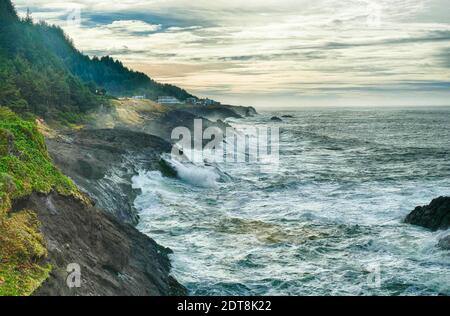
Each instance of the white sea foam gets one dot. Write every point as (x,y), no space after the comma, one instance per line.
(201,176)
(151,183)
(319,225)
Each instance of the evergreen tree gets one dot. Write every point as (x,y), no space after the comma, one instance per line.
(41,71)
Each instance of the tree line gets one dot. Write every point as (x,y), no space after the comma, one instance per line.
(42,72)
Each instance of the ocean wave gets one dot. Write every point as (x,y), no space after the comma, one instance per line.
(201,176)
(318,226)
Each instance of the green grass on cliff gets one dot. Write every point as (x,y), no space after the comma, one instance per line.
(25,167)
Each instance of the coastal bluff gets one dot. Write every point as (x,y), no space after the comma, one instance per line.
(435,216)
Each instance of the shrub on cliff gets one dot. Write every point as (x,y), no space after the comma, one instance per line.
(25,167)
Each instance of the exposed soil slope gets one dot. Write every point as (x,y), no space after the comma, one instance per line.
(115,259)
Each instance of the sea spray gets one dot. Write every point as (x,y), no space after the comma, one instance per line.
(329,222)
(202,176)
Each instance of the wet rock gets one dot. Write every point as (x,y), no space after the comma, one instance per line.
(288,116)
(213,112)
(103,161)
(219,111)
(276,119)
(115,258)
(444,243)
(249,112)
(434,216)
(163,125)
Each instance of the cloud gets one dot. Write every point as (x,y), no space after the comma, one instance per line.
(444,57)
(132,26)
(297,48)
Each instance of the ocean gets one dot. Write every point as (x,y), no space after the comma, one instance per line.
(329,221)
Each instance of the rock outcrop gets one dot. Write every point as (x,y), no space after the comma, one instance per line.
(115,259)
(213,112)
(164,125)
(102,162)
(160,120)
(434,216)
(444,243)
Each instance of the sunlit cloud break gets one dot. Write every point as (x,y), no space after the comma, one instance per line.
(273,53)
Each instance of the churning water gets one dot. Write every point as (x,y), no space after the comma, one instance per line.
(328,222)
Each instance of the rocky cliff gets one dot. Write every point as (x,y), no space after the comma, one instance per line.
(47,224)
(435,216)
(114,258)
(101,160)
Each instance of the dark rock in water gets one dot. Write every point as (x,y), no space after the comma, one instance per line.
(213,112)
(167,170)
(276,119)
(288,116)
(434,216)
(115,258)
(220,111)
(445,243)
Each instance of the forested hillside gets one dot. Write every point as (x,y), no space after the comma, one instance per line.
(105,72)
(42,72)
(32,77)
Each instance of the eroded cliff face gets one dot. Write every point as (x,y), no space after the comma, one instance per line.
(160,120)
(48,225)
(103,161)
(131,136)
(114,258)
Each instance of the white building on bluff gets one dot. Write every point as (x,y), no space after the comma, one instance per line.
(168,100)
(206,101)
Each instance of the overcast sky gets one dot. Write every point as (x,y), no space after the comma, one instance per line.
(272,52)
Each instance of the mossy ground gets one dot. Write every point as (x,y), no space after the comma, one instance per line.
(25,167)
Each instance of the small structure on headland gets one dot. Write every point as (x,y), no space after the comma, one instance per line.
(168,100)
(138,97)
(205,102)
(210,102)
(192,100)
(100,91)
